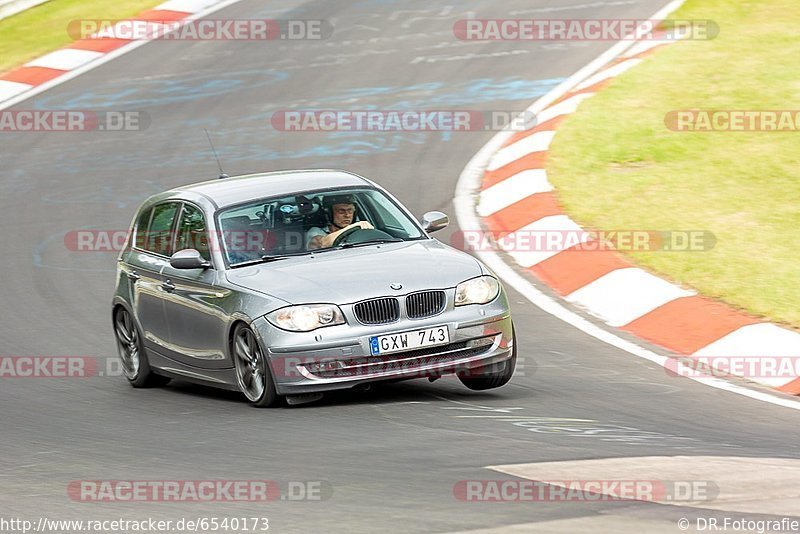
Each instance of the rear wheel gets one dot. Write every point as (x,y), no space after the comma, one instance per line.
(135,365)
(494,378)
(252,371)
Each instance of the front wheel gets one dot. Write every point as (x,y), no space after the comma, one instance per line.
(135,365)
(493,379)
(252,371)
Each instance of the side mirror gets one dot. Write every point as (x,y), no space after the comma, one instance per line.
(188,258)
(433,221)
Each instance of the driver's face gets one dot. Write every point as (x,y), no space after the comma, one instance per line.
(343,214)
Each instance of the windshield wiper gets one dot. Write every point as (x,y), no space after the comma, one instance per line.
(370,242)
(266,259)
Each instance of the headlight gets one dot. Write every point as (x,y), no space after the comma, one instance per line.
(306,318)
(477,291)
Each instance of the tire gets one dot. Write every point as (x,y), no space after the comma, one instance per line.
(135,365)
(493,379)
(252,371)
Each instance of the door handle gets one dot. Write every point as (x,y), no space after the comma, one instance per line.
(133,275)
(168,286)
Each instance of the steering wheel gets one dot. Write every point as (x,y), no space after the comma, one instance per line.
(359,235)
(344,235)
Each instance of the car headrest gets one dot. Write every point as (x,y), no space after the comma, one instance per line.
(303,206)
(242,222)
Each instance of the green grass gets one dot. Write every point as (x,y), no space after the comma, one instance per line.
(33,33)
(616,165)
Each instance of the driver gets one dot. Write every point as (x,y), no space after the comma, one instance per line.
(341,209)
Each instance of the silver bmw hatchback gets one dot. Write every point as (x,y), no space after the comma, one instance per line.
(288,284)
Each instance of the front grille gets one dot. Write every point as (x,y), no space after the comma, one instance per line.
(378,311)
(425,304)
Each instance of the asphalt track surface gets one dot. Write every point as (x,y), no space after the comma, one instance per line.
(391,455)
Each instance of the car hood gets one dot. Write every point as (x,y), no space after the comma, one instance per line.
(350,275)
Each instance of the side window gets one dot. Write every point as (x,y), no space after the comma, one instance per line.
(142,223)
(391,217)
(384,218)
(387,218)
(192,231)
(159,236)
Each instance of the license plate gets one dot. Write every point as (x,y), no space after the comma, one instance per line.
(438,335)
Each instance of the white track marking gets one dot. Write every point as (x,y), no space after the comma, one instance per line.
(610,72)
(65,59)
(186,6)
(570,105)
(538,142)
(543,239)
(513,189)
(12,89)
(761,340)
(623,295)
(643,46)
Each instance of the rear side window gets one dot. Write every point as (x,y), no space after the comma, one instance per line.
(192,231)
(159,233)
(142,223)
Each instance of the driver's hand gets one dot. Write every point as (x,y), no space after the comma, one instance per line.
(365,225)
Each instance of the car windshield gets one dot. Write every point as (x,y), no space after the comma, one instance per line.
(316,220)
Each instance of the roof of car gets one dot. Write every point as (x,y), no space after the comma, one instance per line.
(228,191)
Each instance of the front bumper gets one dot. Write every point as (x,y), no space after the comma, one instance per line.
(339,357)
